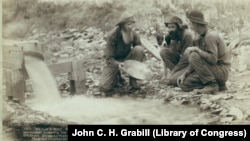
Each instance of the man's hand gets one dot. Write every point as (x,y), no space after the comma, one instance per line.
(181,79)
(112,62)
(191,49)
(120,64)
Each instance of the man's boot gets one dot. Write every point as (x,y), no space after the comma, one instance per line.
(210,88)
(121,80)
(133,84)
(223,87)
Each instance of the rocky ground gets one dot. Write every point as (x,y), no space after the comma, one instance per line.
(228,107)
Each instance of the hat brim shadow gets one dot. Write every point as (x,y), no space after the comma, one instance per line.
(166,24)
(197,21)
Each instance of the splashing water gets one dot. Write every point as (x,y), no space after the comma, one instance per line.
(123,110)
(90,110)
(43,84)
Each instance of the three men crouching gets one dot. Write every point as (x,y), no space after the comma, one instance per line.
(201,65)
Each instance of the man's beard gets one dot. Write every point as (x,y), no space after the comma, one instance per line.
(127,36)
(173,35)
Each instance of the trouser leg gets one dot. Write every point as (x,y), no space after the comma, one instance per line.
(178,70)
(169,57)
(174,77)
(201,68)
(137,53)
(204,75)
(209,72)
(109,78)
(192,82)
(200,77)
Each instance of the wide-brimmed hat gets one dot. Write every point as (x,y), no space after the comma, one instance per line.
(175,20)
(196,16)
(125,18)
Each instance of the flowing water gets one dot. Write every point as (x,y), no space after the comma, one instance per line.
(92,110)
(43,84)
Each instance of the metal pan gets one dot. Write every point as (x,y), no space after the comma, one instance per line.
(136,69)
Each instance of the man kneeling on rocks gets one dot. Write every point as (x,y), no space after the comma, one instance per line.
(122,44)
(208,60)
(177,40)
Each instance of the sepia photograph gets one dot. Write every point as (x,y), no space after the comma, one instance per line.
(122,62)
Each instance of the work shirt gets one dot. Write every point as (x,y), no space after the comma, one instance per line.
(116,48)
(216,51)
(212,43)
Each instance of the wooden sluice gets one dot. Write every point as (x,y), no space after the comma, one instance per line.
(15,75)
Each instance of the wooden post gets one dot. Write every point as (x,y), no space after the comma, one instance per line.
(18,85)
(15,73)
(15,85)
(8,84)
(78,75)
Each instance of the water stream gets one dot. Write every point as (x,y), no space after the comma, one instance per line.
(43,83)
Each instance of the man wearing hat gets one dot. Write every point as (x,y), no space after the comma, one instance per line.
(209,60)
(122,44)
(177,40)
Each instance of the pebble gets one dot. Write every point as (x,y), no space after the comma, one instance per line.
(236,113)
(217,111)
